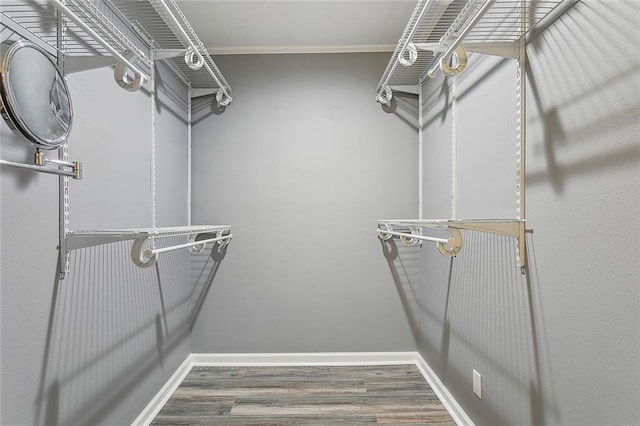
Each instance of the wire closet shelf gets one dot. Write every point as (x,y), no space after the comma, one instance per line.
(437,38)
(144,252)
(131,33)
(441,29)
(88,34)
(447,235)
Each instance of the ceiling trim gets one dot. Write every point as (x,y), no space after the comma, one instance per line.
(271,50)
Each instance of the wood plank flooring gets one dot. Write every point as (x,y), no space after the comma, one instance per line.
(392,394)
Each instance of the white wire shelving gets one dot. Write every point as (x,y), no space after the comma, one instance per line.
(174,38)
(132,34)
(144,252)
(89,34)
(437,38)
(446,232)
(441,29)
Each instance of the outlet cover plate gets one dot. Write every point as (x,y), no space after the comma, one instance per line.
(477,384)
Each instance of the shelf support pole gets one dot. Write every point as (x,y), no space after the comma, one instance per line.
(522,138)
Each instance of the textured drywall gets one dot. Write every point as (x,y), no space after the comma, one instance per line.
(558,345)
(302,165)
(171,161)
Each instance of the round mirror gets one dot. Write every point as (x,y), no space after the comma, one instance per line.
(35,97)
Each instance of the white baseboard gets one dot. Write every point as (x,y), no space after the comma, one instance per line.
(153,408)
(455,410)
(303,359)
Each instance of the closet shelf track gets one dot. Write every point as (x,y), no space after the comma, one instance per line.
(441,32)
(144,252)
(412,231)
(90,34)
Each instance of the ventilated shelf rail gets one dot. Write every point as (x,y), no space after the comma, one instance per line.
(104,33)
(441,32)
(413,231)
(143,250)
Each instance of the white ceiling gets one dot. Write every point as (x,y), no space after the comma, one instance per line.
(298,26)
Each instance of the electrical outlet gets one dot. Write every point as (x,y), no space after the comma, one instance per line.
(477,384)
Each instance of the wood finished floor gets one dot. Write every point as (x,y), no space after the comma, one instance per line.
(393,394)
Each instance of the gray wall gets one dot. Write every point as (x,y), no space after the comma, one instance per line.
(302,164)
(560,344)
(95,347)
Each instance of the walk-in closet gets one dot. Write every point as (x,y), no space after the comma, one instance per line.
(288,212)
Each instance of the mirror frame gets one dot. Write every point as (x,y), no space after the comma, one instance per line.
(8,106)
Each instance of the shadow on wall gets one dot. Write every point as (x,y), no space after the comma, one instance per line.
(204,268)
(403,265)
(579,92)
(477,311)
(205,106)
(437,104)
(405,106)
(542,407)
(111,325)
(169,93)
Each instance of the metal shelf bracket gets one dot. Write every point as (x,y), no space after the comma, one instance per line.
(503,49)
(515,229)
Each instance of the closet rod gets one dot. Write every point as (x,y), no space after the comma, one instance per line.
(71,15)
(150,252)
(382,232)
(474,20)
